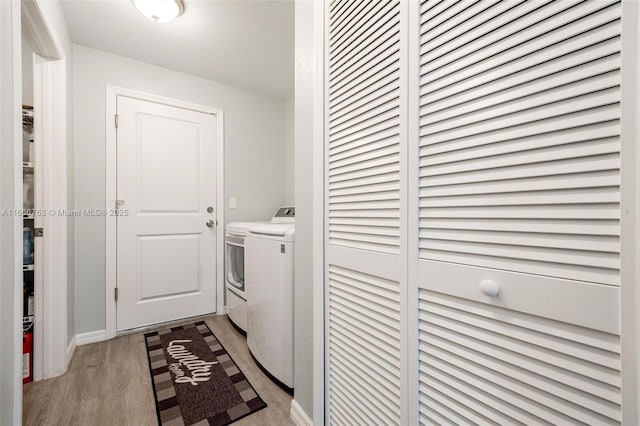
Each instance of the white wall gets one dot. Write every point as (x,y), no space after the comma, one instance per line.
(10,198)
(303,332)
(254,147)
(289,153)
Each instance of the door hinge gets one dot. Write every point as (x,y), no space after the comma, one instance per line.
(115,294)
(38,232)
(116,120)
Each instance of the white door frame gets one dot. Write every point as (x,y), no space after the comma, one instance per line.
(112,92)
(50,115)
(319,122)
(630,213)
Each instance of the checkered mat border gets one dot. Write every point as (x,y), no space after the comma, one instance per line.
(168,405)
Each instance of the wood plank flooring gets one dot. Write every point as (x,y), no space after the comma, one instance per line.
(108,383)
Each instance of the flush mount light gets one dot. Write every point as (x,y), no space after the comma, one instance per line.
(160,10)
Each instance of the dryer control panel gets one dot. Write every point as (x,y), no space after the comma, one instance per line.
(288,212)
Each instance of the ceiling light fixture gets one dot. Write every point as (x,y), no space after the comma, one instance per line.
(160,10)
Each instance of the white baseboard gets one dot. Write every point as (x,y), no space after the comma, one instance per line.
(91,337)
(298,416)
(71,349)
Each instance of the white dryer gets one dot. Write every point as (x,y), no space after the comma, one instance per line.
(269,249)
(234,238)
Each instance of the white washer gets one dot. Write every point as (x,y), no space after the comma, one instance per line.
(234,238)
(269,279)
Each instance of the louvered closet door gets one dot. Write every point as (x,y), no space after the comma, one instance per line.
(519,157)
(364,209)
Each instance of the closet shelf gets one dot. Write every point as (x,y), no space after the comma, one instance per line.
(28,267)
(27,116)
(27,165)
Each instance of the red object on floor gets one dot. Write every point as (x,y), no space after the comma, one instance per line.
(27,358)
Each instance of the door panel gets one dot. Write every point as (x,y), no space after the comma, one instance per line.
(519,183)
(364,329)
(363,157)
(364,125)
(159,152)
(166,178)
(165,279)
(488,363)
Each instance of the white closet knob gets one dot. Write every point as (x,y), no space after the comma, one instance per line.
(489,288)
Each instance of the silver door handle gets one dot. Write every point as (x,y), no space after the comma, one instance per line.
(211,224)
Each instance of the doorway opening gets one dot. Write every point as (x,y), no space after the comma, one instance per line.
(44,162)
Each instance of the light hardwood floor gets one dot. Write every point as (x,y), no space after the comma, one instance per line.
(108,383)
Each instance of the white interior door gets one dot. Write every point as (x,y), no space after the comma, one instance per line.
(166,181)
(519,185)
(513,182)
(366,239)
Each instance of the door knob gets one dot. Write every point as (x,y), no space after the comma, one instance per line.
(211,224)
(489,288)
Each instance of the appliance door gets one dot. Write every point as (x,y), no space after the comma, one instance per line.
(235,262)
(270,305)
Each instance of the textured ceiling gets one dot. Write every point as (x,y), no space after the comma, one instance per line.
(244,43)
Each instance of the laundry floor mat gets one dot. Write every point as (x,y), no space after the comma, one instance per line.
(195,381)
